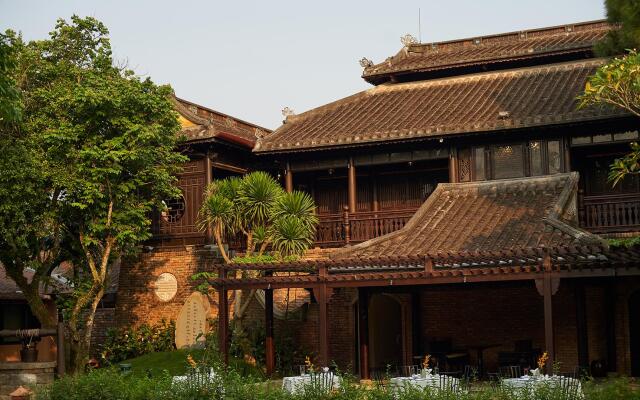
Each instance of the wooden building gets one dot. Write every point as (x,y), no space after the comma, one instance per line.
(466,198)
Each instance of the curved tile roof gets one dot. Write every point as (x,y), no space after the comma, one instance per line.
(487,216)
(534,43)
(534,96)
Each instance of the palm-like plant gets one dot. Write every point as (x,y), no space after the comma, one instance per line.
(256,196)
(217,212)
(291,236)
(297,204)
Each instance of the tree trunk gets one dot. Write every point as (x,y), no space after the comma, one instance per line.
(250,244)
(216,234)
(38,308)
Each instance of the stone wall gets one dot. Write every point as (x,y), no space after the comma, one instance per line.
(29,375)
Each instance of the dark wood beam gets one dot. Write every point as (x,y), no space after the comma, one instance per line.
(363,331)
(610,299)
(288,179)
(352,186)
(208,179)
(323,323)
(548,313)
(270,354)
(581,325)
(223,320)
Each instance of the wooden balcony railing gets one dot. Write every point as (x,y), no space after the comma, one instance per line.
(340,229)
(610,213)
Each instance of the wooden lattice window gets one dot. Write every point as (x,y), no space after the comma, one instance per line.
(174,209)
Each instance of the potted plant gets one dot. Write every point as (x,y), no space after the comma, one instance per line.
(29,351)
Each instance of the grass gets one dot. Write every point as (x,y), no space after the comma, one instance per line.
(175,363)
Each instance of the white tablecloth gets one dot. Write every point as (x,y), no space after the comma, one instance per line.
(530,382)
(295,384)
(417,381)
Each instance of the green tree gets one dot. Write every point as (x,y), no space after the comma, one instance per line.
(617,84)
(104,142)
(262,211)
(626,15)
(9,96)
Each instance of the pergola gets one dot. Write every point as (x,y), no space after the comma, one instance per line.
(543,264)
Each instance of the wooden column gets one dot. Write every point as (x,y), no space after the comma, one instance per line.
(223,319)
(581,326)
(610,323)
(323,323)
(207,180)
(453,165)
(270,354)
(548,313)
(352,186)
(288,179)
(416,324)
(363,331)
(60,353)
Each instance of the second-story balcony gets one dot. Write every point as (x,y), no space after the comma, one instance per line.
(610,214)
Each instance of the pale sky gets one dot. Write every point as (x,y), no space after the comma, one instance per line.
(250,59)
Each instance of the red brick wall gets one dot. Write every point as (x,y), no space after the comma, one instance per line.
(137,303)
(104,320)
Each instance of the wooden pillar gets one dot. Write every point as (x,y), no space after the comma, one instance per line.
(288,179)
(567,154)
(548,313)
(323,323)
(363,331)
(416,323)
(453,165)
(270,354)
(375,206)
(581,326)
(352,186)
(346,226)
(208,179)
(223,319)
(60,353)
(610,323)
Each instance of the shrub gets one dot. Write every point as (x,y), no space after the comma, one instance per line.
(128,343)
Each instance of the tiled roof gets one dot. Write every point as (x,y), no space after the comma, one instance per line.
(487,216)
(534,96)
(206,124)
(545,42)
(10,291)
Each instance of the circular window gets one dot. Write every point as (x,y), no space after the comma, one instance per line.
(174,209)
(166,286)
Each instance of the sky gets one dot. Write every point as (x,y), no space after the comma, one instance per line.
(250,59)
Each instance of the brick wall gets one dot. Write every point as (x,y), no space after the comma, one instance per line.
(104,320)
(137,302)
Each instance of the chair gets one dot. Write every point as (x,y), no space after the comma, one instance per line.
(569,388)
(378,376)
(494,381)
(510,371)
(322,381)
(575,373)
(448,383)
(408,370)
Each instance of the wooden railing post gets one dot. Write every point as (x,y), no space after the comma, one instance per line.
(581,211)
(60,353)
(223,318)
(346,225)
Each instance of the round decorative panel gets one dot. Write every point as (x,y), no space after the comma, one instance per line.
(166,286)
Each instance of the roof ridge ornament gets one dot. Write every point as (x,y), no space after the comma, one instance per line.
(408,39)
(365,63)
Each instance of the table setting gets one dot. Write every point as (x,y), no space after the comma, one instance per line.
(537,381)
(296,384)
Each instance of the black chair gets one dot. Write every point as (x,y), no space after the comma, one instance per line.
(448,383)
(378,376)
(408,370)
(322,381)
(494,381)
(569,388)
(510,371)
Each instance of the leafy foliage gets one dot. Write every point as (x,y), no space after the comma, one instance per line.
(99,145)
(10,107)
(626,14)
(617,84)
(122,344)
(259,208)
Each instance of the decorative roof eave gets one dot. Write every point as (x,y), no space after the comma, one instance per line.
(441,268)
(375,75)
(471,130)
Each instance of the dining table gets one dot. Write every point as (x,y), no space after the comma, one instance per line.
(528,382)
(420,382)
(296,384)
